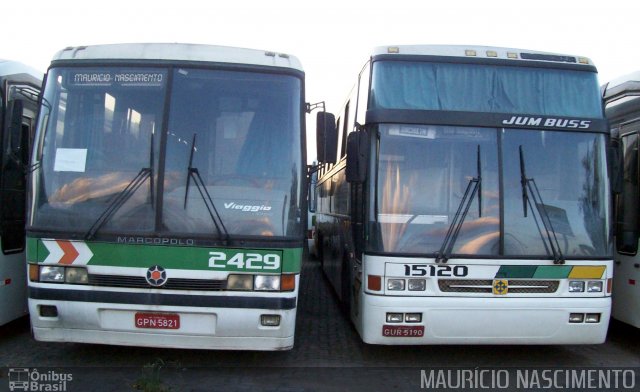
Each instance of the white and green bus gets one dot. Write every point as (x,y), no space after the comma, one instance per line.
(622,107)
(19,89)
(464,198)
(168,197)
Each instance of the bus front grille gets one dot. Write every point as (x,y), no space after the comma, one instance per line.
(516,286)
(172,284)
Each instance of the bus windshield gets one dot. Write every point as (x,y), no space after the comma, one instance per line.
(134,139)
(484,88)
(423,172)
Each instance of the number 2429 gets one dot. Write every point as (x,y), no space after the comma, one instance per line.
(250,261)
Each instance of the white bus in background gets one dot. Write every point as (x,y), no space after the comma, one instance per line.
(168,197)
(464,198)
(19,89)
(622,107)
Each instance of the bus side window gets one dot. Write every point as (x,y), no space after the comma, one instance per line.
(627,201)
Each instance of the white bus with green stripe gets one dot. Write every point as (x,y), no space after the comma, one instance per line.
(464,198)
(168,197)
(19,90)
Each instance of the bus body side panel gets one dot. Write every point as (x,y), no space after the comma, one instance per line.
(626,290)
(13,288)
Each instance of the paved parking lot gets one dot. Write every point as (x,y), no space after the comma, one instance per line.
(328,355)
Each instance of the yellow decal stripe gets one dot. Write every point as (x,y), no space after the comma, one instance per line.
(587,272)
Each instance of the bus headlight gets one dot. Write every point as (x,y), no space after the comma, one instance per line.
(240,282)
(266,282)
(417,285)
(395,284)
(576,286)
(52,274)
(76,275)
(594,286)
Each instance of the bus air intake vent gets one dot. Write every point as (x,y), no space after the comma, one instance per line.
(485,286)
(172,284)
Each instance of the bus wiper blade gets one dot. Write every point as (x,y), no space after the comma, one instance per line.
(119,201)
(529,186)
(125,194)
(193,172)
(473,187)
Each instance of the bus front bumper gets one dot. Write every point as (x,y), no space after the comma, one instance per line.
(483,320)
(189,327)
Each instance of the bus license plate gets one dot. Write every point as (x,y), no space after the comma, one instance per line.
(403,331)
(157,320)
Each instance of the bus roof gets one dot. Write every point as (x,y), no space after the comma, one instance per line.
(9,67)
(488,52)
(620,86)
(621,97)
(179,52)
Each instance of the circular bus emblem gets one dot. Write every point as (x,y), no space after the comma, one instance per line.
(156,276)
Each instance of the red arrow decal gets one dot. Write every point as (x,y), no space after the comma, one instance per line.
(70,252)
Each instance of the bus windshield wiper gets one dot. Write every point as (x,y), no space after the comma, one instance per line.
(529,187)
(119,201)
(124,195)
(473,187)
(192,172)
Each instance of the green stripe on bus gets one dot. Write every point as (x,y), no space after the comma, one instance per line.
(180,257)
(552,272)
(516,271)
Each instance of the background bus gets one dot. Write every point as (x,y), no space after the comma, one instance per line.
(19,89)
(469,203)
(168,197)
(622,108)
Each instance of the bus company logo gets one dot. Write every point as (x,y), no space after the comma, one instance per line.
(156,276)
(500,287)
(548,122)
(246,207)
(32,380)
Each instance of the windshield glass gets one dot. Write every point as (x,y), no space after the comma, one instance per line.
(105,129)
(423,172)
(484,88)
(247,152)
(101,130)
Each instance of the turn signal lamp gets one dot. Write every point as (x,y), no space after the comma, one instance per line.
(374,282)
(288,282)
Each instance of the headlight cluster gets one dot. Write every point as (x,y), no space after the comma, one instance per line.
(248,282)
(406,284)
(58,274)
(591,286)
